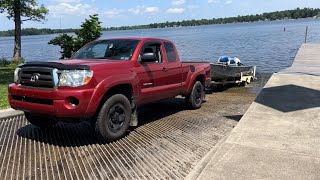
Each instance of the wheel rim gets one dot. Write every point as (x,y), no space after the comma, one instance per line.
(198,95)
(116,118)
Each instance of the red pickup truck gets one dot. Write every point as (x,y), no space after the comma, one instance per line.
(105,82)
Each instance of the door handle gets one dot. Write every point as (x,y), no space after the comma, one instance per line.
(164,69)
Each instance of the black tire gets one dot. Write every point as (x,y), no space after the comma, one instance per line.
(195,98)
(39,120)
(113,119)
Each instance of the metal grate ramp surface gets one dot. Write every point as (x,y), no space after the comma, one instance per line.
(168,143)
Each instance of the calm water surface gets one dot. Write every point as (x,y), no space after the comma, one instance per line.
(264,44)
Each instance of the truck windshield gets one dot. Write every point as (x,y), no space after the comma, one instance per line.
(119,49)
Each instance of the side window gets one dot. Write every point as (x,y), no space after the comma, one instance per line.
(155,49)
(171,55)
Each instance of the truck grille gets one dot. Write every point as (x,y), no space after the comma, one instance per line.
(38,77)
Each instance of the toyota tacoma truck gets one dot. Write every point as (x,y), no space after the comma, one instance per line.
(104,82)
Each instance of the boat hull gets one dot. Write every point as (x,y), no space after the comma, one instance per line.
(222,72)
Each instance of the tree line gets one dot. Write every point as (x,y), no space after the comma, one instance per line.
(35,31)
(278,15)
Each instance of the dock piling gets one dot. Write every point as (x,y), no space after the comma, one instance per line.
(306,35)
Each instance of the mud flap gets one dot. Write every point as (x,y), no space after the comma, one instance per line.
(204,93)
(134,116)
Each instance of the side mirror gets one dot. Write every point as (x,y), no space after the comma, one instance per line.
(148,57)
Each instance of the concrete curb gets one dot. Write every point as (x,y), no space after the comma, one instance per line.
(9,112)
(198,169)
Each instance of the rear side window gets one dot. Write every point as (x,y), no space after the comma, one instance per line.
(171,55)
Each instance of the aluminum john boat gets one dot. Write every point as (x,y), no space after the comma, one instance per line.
(230,70)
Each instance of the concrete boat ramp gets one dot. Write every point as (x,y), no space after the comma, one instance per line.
(279,135)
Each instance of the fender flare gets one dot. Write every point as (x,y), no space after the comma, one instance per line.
(193,78)
(104,86)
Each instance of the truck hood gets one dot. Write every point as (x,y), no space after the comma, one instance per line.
(71,64)
(87,62)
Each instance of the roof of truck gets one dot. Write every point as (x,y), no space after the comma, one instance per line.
(137,38)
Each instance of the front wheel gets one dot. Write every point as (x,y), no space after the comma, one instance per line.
(195,98)
(40,121)
(113,119)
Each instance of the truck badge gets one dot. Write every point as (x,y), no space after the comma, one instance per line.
(34,77)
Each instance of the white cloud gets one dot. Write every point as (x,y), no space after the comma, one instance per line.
(67,1)
(178,2)
(3,15)
(142,10)
(68,9)
(193,10)
(137,10)
(213,1)
(152,10)
(113,12)
(192,6)
(134,11)
(175,10)
(228,2)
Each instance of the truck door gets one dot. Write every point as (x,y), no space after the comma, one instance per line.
(152,73)
(174,70)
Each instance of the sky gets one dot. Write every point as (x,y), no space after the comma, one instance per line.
(114,13)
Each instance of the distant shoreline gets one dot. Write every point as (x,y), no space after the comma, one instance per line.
(272,16)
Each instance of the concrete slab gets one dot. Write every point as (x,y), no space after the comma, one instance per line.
(284,78)
(9,112)
(279,132)
(234,161)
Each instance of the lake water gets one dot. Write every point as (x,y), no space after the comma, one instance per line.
(264,44)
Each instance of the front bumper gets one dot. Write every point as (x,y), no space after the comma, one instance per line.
(54,103)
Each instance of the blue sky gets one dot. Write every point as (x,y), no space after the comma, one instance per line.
(129,12)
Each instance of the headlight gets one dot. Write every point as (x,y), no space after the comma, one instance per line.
(75,78)
(16,75)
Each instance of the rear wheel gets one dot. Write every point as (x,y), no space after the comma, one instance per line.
(39,120)
(195,98)
(113,119)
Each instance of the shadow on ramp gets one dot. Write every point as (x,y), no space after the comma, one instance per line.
(289,98)
(82,134)
(235,117)
(62,134)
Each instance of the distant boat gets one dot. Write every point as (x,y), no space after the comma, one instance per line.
(230,69)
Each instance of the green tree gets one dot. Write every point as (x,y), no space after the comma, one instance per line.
(66,43)
(89,31)
(20,11)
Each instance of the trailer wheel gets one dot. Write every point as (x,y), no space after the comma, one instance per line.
(113,119)
(195,98)
(244,83)
(40,121)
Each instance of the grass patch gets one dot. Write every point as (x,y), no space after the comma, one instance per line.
(6,77)
(7,68)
